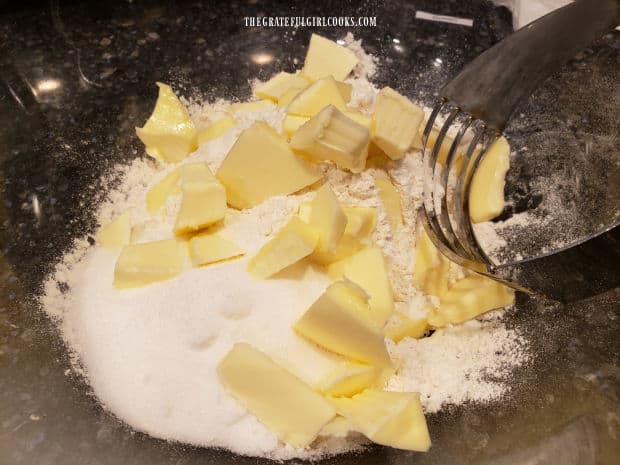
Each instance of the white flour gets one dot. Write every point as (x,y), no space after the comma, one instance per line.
(452,366)
(150,353)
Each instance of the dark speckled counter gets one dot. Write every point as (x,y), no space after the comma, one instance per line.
(76,77)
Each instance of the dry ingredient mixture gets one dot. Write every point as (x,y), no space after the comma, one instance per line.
(150,353)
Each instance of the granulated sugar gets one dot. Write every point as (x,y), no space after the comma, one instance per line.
(150,354)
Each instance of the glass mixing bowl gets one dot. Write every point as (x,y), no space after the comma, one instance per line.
(77,77)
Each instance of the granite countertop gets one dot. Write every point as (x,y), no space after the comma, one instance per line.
(76,77)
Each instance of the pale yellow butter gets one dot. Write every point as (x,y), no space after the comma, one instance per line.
(390,198)
(211,248)
(469,297)
(327,58)
(288,97)
(346,247)
(281,401)
(215,130)
(158,194)
(349,378)
(296,240)
(330,135)
(426,257)
(169,134)
(327,218)
(339,427)
(359,118)
(393,419)
(117,233)
(395,123)
(400,326)
(292,123)
(303,211)
(340,321)
(280,84)
(316,97)
(149,262)
(201,205)
(196,174)
(431,269)
(345,90)
(367,269)
(437,279)
(261,165)
(486,197)
(361,221)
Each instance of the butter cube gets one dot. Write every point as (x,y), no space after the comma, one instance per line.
(292,123)
(393,419)
(339,427)
(158,194)
(400,326)
(196,174)
(367,269)
(215,130)
(486,197)
(325,58)
(316,97)
(346,247)
(426,257)
(437,279)
(359,118)
(327,218)
(340,321)
(395,123)
(330,135)
(469,297)
(391,202)
(201,205)
(249,107)
(345,90)
(360,221)
(261,165)
(169,134)
(281,401)
(287,97)
(349,378)
(149,262)
(431,269)
(117,233)
(280,84)
(211,248)
(303,211)
(296,240)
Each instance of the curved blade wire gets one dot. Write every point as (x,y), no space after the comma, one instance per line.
(460,220)
(448,192)
(465,188)
(427,160)
(432,200)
